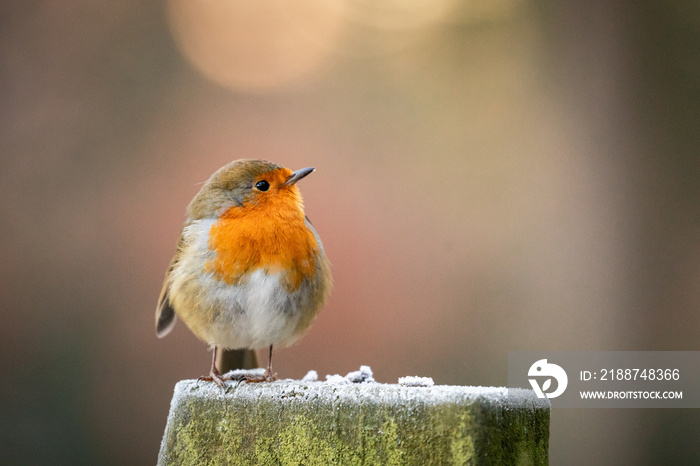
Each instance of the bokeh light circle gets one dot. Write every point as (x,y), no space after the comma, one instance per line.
(256,46)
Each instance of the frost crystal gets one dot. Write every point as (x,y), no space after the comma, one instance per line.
(412,381)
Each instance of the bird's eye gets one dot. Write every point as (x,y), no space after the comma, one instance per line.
(262,185)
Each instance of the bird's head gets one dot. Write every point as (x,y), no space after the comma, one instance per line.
(248,184)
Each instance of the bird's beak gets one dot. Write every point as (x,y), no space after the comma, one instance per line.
(297,175)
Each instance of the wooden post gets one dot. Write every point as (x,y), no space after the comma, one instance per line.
(320,423)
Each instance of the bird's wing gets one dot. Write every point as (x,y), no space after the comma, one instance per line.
(313,230)
(165,314)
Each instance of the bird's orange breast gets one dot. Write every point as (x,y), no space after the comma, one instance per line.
(271,235)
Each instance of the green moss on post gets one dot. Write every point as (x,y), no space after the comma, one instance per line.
(318,423)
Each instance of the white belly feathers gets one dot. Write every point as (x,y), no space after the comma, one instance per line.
(255,315)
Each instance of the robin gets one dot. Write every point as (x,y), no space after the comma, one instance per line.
(250,271)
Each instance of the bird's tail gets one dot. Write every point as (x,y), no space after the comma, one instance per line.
(228,360)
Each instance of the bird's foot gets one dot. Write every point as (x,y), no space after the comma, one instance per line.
(267,376)
(214,377)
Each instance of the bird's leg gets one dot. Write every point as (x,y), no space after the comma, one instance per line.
(268,376)
(214,375)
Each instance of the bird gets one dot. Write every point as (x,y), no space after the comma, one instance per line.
(249,271)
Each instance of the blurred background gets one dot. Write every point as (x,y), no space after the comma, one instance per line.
(492,176)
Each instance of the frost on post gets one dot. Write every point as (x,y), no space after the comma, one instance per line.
(354,420)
